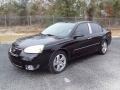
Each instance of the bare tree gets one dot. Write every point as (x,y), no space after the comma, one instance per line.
(90,10)
(23,11)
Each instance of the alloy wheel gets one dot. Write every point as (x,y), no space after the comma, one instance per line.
(59,62)
(104,47)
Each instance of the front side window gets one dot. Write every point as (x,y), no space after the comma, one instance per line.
(82,29)
(59,29)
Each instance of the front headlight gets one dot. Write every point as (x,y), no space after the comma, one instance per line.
(34,49)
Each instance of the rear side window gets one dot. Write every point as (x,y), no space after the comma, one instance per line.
(82,29)
(95,28)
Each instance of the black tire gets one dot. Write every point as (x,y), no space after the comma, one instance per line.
(51,65)
(103,47)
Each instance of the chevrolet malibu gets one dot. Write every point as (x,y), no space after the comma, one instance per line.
(58,44)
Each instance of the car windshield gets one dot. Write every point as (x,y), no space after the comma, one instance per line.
(59,29)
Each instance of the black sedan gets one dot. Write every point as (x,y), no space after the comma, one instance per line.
(58,44)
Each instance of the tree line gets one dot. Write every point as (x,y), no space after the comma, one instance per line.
(61,8)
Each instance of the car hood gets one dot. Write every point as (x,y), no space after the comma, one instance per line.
(36,40)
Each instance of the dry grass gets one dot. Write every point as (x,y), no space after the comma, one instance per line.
(115,32)
(11,38)
(10,34)
(21,29)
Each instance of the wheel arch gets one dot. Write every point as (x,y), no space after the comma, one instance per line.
(61,49)
(66,52)
(106,40)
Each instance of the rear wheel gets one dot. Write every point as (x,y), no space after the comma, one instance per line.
(58,62)
(103,47)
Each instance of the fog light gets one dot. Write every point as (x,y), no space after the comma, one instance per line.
(29,67)
(32,67)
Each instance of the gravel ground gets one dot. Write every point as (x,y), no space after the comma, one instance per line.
(94,72)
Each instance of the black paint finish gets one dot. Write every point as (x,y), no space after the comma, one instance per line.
(73,45)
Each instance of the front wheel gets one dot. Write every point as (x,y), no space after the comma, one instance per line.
(103,48)
(58,62)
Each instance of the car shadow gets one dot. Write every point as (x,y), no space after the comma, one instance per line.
(45,71)
(81,59)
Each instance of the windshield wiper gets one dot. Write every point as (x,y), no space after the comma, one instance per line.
(49,34)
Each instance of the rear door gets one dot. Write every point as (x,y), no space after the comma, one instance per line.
(81,45)
(96,35)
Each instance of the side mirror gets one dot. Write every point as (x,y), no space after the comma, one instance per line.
(76,36)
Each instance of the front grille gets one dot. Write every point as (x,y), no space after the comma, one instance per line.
(16,61)
(16,51)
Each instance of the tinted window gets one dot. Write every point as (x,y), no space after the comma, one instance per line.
(82,29)
(96,28)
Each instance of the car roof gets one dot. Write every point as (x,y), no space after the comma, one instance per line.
(85,22)
(78,22)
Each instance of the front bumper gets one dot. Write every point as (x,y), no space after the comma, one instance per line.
(30,61)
